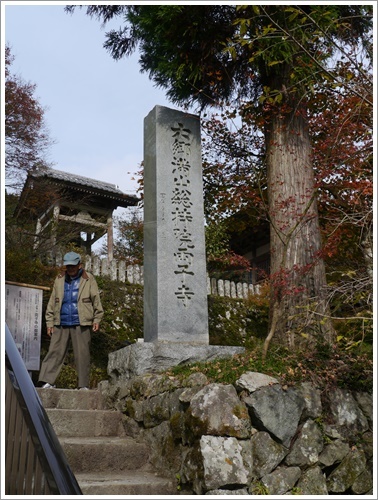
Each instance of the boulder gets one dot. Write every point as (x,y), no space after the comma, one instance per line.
(333,453)
(276,411)
(312,482)
(281,480)
(366,443)
(151,384)
(223,463)
(134,409)
(345,475)
(266,454)
(307,446)
(191,473)
(365,402)
(251,381)
(217,410)
(130,426)
(156,410)
(187,394)
(331,432)
(174,401)
(197,379)
(347,415)
(312,398)
(363,484)
(162,443)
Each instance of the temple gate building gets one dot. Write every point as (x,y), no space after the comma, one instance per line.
(70,208)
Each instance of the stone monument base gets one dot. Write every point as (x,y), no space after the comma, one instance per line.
(156,357)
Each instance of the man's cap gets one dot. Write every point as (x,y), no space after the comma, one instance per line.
(71,259)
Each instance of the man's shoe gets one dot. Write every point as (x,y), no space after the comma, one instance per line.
(48,386)
(83,389)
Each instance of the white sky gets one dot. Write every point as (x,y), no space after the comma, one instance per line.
(95,105)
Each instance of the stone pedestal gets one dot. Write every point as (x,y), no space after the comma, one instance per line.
(157,357)
(175,287)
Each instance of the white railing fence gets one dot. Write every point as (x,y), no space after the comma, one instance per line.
(117,270)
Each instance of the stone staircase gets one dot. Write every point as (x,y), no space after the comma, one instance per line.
(103,458)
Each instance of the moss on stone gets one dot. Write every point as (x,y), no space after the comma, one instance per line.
(129,409)
(176,422)
(241,412)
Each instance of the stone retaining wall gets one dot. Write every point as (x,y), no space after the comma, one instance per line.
(254,437)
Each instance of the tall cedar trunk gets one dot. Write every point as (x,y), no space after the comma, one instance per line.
(299,311)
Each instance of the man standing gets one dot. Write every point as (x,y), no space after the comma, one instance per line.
(74,308)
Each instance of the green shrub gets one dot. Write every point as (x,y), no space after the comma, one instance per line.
(122,323)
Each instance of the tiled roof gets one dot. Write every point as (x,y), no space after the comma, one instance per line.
(78,183)
(78,179)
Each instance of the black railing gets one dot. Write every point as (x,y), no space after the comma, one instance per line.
(35,463)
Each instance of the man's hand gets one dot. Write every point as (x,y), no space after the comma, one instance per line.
(95,327)
(50,329)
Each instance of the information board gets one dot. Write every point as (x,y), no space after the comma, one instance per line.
(23,315)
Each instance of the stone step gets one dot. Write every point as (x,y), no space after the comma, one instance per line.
(71,399)
(80,423)
(125,483)
(104,460)
(100,454)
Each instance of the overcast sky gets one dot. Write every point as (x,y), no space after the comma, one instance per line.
(95,105)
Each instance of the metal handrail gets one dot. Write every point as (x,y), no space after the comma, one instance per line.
(38,430)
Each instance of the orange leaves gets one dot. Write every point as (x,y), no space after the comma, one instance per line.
(215,74)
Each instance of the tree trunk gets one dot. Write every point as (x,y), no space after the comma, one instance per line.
(299,311)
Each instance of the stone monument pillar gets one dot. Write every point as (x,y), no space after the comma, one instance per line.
(175,289)
(174,275)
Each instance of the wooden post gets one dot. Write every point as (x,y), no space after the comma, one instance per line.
(110,238)
(37,232)
(56,214)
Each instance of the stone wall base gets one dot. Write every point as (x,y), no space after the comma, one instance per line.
(156,357)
